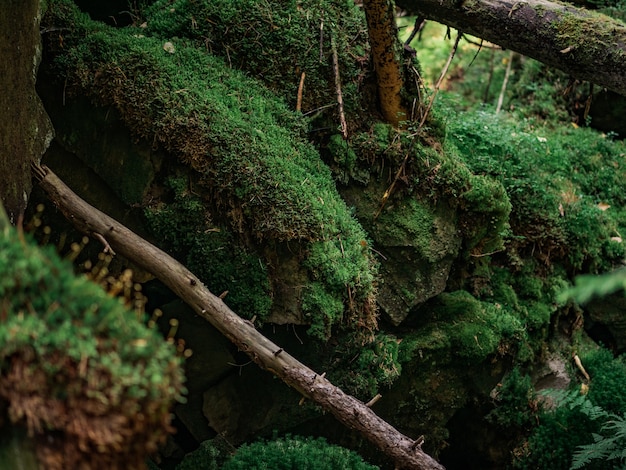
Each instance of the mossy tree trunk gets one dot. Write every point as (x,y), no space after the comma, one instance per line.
(587,45)
(387,58)
(25,131)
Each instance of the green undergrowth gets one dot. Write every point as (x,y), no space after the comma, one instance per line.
(288,452)
(363,368)
(577,419)
(65,343)
(248,148)
(210,252)
(433,178)
(276,41)
(565,187)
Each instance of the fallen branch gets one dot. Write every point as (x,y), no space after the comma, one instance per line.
(354,414)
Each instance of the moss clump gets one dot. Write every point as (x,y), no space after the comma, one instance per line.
(295,452)
(564,185)
(78,368)
(276,42)
(248,149)
(211,252)
(471,329)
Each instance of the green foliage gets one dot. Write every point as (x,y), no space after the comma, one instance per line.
(589,286)
(250,150)
(211,252)
(295,452)
(608,379)
(561,431)
(513,401)
(587,428)
(65,343)
(608,445)
(363,366)
(436,180)
(528,296)
(559,181)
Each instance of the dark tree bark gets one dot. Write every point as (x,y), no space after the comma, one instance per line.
(405,452)
(25,130)
(584,44)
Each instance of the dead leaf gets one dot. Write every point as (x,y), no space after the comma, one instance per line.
(169,47)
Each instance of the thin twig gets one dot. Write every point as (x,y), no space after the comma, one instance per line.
(371,403)
(321,40)
(507,74)
(417,27)
(105,243)
(444,72)
(342,116)
(300,89)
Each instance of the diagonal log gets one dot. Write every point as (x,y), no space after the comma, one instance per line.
(405,452)
(584,44)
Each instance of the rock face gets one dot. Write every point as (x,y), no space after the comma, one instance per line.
(104,144)
(26,130)
(418,260)
(210,362)
(417,244)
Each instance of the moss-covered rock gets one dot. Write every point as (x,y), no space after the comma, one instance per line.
(277,42)
(246,149)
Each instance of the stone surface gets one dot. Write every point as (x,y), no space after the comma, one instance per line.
(210,362)
(417,245)
(102,142)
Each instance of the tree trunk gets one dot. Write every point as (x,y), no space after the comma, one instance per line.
(387,58)
(25,130)
(584,44)
(404,452)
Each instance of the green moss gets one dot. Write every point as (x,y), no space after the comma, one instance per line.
(249,149)
(574,30)
(211,252)
(295,452)
(80,348)
(514,399)
(471,329)
(277,41)
(556,180)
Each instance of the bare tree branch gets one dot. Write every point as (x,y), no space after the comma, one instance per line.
(405,452)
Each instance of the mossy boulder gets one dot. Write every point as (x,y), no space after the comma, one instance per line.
(278,42)
(244,147)
(421,219)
